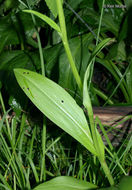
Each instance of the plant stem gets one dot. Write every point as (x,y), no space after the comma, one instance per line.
(66,44)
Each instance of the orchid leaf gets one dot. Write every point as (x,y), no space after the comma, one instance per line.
(57,105)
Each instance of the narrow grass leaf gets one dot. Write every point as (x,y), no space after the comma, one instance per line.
(104,132)
(34,170)
(46,19)
(57,105)
(129,81)
(100,46)
(109,66)
(5,184)
(86,98)
(103,96)
(87,103)
(3,119)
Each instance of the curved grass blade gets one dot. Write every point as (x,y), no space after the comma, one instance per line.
(87,102)
(46,19)
(57,105)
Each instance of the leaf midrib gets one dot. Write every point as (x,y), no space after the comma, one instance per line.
(61,108)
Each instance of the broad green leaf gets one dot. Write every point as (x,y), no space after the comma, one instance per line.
(125,183)
(57,105)
(75,4)
(10,4)
(65,183)
(52,6)
(46,19)
(110,188)
(15,59)
(8,34)
(12,29)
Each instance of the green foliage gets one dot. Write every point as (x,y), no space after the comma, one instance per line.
(30,152)
(126,182)
(46,19)
(52,6)
(87,103)
(65,183)
(58,106)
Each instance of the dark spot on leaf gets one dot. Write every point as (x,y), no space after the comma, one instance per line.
(23,87)
(27,88)
(27,72)
(24,72)
(62,101)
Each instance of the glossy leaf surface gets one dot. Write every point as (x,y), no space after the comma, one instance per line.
(57,105)
(65,183)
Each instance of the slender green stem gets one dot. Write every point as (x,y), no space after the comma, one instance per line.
(66,44)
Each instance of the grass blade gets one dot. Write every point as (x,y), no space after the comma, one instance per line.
(46,19)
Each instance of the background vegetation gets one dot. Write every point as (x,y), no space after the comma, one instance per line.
(30,153)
